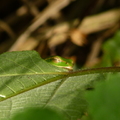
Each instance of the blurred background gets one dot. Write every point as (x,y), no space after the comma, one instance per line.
(86,31)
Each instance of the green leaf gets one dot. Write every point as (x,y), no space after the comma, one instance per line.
(104,101)
(22,71)
(28,81)
(111,49)
(38,114)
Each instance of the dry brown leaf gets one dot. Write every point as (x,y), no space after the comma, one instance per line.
(77,37)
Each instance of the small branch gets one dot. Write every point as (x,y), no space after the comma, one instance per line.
(52,9)
(7,28)
(96,47)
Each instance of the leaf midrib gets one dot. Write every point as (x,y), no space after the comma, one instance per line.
(24,74)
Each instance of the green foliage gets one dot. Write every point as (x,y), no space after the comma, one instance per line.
(111,49)
(104,101)
(37,114)
(28,81)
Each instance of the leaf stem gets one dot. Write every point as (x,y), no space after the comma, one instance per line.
(94,70)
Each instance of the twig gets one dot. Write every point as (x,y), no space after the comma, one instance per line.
(7,28)
(96,47)
(52,9)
